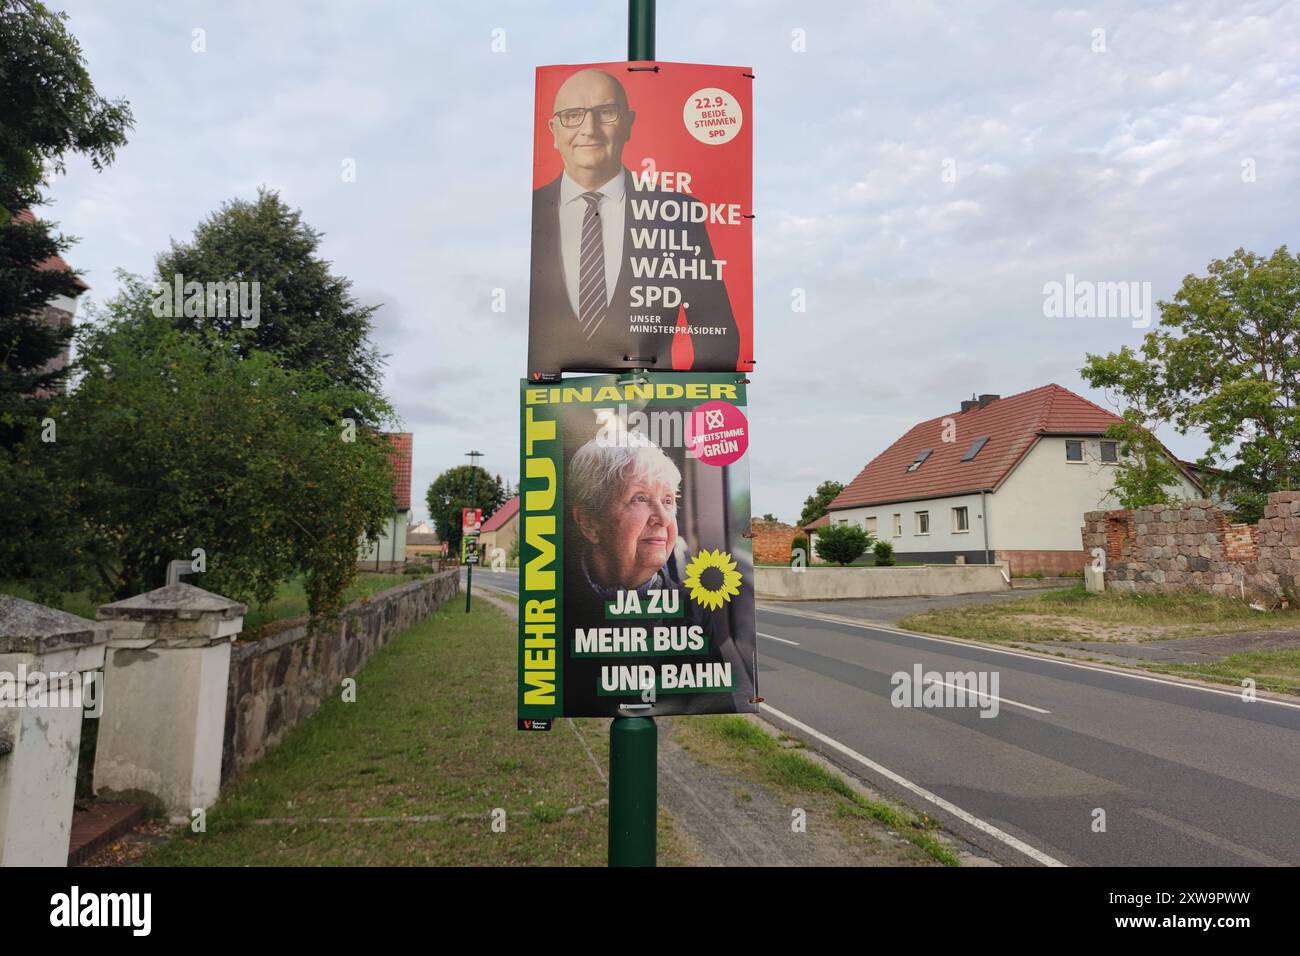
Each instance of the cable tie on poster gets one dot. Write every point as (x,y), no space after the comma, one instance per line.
(653,359)
(745,381)
(748,534)
(748,215)
(635,706)
(643,69)
(757,700)
(750,75)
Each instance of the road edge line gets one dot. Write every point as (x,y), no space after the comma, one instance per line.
(1020,846)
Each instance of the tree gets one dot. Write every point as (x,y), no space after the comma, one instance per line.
(770,518)
(306,316)
(884,552)
(842,543)
(1225,359)
(172,442)
(48,107)
(449,493)
(818,503)
(1145,474)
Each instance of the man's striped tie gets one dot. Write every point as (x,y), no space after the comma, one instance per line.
(591,272)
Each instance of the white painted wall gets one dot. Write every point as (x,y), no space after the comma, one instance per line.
(65,303)
(1041,504)
(394,528)
(941,536)
(819,584)
(1039,507)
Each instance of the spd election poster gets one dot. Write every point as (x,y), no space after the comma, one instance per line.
(642,227)
(636,580)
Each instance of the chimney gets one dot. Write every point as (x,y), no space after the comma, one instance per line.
(966,406)
(986,400)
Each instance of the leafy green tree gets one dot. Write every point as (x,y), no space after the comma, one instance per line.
(307,316)
(172,442)
(449,493)
(818,503)
(842,544)
(1145,474)
(884,552)
(27,341)
(1225,358)
(771,518)
(48,108)
(48,105)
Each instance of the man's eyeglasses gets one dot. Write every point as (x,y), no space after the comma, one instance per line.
(606,113)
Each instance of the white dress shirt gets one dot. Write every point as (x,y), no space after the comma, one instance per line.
(572,210)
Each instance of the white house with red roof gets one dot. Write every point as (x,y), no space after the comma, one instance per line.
(501,530)
(390,550)
(1001,480)
(62,309)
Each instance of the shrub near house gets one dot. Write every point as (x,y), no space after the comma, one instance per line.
(842,544)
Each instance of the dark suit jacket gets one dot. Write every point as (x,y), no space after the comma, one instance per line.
(555,339)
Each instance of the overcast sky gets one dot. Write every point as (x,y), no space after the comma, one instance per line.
(1123,155)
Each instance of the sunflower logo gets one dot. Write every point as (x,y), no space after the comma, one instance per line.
(712,578)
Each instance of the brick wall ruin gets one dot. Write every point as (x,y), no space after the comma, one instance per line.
(772,540)
(1193,546)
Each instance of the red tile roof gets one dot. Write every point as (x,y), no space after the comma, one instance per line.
(502,515)
(400,458)
(1011,425)
(821,522)
(53,263)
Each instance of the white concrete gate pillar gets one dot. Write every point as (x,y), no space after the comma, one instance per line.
(45,656)
(166,675)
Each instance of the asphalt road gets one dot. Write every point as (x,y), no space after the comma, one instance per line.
(1185,776)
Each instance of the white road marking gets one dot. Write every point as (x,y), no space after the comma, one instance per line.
(983,697)
(781,639)
(1213,839)
(1015,843)
(1119,672)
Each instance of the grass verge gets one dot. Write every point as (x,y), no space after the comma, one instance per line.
(1074,614)
(1277,671)
(747,749)
(430,741)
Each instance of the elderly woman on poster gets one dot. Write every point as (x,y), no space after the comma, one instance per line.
(624,549)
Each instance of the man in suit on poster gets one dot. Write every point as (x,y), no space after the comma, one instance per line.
(588,312)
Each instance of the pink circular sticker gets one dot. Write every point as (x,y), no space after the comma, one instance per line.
(717,433)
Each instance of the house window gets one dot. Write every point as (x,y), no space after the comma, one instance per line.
(919,460)
(898,526)
(922,522)
(843,522)
(1110,451)
(871,525)
(960,520)
(1074,451)
(975,448)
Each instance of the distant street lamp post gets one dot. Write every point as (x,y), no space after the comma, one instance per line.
(473,457)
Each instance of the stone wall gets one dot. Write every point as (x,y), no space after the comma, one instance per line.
(772,541)
(1193,546)
(279,680)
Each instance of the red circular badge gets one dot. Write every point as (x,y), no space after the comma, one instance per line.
(717,433)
